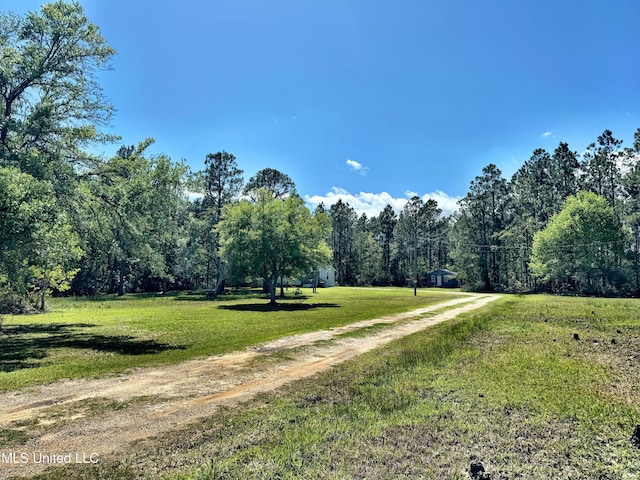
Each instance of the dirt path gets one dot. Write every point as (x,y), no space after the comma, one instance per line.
(102,416)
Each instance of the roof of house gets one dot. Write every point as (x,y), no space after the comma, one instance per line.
(442,271)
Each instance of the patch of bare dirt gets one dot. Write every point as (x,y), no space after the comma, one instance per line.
(103,416)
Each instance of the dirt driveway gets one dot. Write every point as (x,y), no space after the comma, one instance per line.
(95,419)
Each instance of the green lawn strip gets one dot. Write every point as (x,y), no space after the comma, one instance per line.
(491,386)
(83,337)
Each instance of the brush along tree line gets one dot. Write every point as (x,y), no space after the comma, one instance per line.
(73,221)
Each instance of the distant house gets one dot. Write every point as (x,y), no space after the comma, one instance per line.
(326,278)
(327,275)
(442,278)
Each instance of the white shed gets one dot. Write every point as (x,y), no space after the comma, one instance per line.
(326,278)
(327,275)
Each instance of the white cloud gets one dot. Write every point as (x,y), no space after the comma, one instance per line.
(625,162)
(191,196)
(373,203)
(547,134)
(357,167)
(353,164)
(447,204)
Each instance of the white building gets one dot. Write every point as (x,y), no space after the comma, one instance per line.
(326,278)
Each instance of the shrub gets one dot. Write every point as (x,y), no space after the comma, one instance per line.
(12,302)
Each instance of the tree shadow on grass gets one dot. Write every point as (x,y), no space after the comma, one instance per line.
(230,296)
(24,345)
(112,297)
(278,307)
(41,328)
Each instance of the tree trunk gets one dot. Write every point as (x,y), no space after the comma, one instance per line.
(220,286)
(222,280)
(42,294)
(121,277)
(272,290)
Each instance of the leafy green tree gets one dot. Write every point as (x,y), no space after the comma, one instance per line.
(193,260)
(167,207)
(401,255)
(533,191)
(581,247)
(273,238)
(534,188)
(631,187)
(25,210)
(222,185)
(50,103)
(385,225)
(96,228)
(439,252)
(274,181)
(536,191)
(278,184)
(38,247)
(430,239)
(482,218)
(565,169)
(417,223)
(417,243)
(55,263)
(342,241)
(51,109)
(636,141)
(367,254)
(601,167)
(139,202)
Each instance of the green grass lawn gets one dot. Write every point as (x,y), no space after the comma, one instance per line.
(83,337)
(508,386)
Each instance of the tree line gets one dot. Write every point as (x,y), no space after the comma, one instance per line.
(76,223)
(564,223)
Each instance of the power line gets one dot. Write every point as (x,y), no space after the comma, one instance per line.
(530,246)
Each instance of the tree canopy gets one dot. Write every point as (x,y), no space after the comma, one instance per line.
(278,184)
(75,221)
(273,238)
(51,105)
(581,247)
(51,109)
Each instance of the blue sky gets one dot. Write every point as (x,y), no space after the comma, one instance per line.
(369,100)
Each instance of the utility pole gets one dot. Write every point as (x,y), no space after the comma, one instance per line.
(415,268)
(415,256)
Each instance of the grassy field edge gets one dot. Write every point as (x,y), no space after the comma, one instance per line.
(88,337)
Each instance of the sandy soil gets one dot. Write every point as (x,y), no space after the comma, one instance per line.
(103,416)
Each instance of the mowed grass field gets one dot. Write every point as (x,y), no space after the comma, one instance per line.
(531,387)
(82,337)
